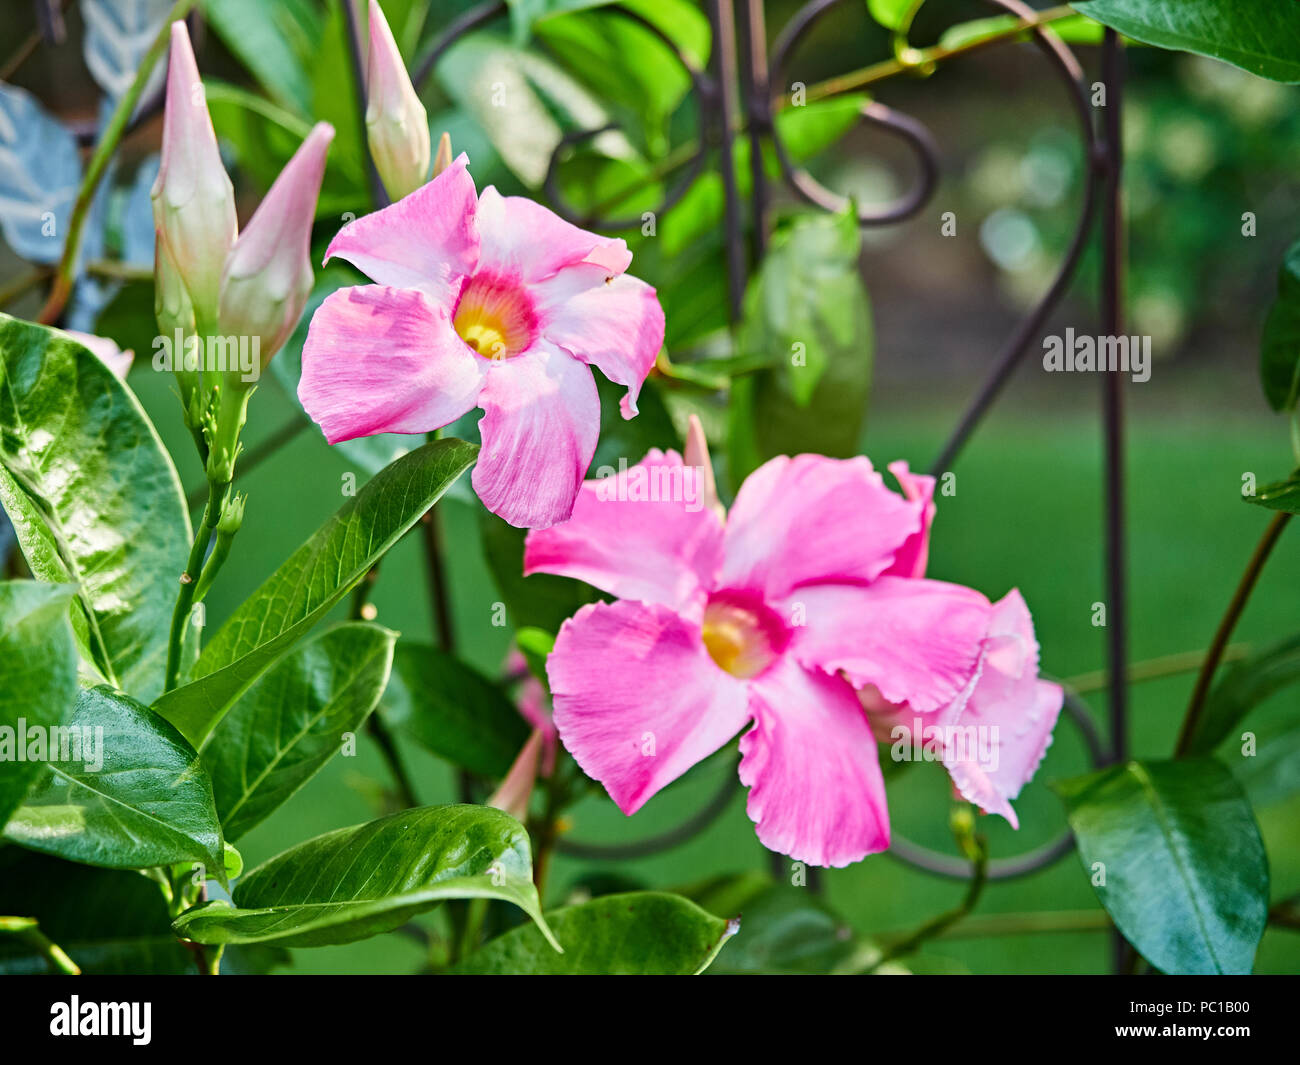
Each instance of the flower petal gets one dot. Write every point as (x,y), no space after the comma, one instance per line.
(426,241)
(616,325)
(524,240)
(917,641)
(810,762)
(811,519)
(911,558)
(634,535)
(1018,710)
(384,360)
(541,420)
(637,699)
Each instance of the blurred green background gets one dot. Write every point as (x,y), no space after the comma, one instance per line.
(1205,144)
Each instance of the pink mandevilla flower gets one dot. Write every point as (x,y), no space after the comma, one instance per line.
(490,302)
(774,616)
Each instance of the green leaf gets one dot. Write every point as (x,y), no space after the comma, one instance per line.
(359,882)
(1245,685)
(109,921)
(523,101)
(452,710)
(1281,495)
(892,14)
(808,313)
(787,929)
(311,581)
(1279,349)
(641,933)
(133,796)
(1076,29)
(293,720)
(536,646)
(273,40)
(93,497)
(1261,36)
(1272,773)
(38,676)
(1186,877)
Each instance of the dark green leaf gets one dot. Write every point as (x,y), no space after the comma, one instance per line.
(38,676)
(1279,349)
(1261,36)
(109,921)
(1272,773)
(311,581)
(293,720)
(1245,685)
(1186,877)
(94,499)
(452,710)
(358,882)
(807,312)
(126,793)
(642,933)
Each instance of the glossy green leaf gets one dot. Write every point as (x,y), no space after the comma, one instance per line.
(311,581)
(1271,773)
(1245,684)
(806,312)
(892,14)
(1261,36)
(293,719)
(452,710)
(94,499)
(1279,349)
(125,792)
(536,646)
(641,933)
(38,676)
(1185,873)
(1077,29)
(359,882)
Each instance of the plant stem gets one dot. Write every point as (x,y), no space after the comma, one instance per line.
(27,929)
(67,268)
(193,568)
(976,850)
(1152,669)
(1228,622)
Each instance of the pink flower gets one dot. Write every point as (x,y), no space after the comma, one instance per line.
(490,302)
(770,618)
(991,738)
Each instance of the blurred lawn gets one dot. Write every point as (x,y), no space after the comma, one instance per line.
(1025,513)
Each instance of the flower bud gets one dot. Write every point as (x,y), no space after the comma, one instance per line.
(397,126)
(193,201)
(175,316)
(268,273)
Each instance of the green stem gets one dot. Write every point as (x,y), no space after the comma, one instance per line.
(1228,622)
(1152,669)
(28,930)
(189,580)
(474,917)
(67,268)
(975,849)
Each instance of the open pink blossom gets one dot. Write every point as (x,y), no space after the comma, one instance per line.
(993,736)
(484,301)
(771,618)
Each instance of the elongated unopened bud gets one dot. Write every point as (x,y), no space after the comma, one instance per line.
(174,313)
(397,125)
(193,201)
(268,273)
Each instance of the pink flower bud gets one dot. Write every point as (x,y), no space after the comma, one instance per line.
(397,125)
(268,273)
(193,202)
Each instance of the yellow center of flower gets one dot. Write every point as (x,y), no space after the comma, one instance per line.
(743,637)
(495,318)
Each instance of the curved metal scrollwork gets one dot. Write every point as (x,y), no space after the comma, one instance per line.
(720,124)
